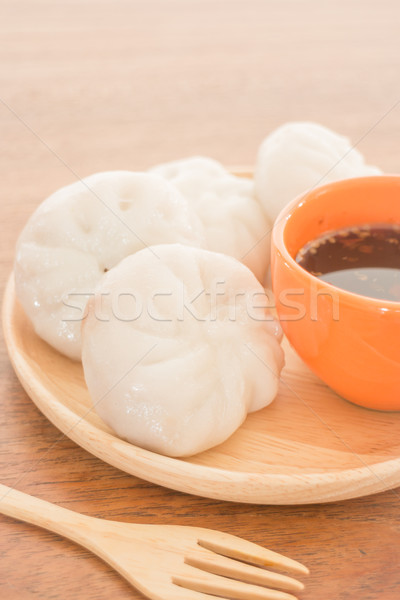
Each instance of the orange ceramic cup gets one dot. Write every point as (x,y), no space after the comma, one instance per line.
(352,342)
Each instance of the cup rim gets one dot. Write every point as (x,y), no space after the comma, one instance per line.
(286,213)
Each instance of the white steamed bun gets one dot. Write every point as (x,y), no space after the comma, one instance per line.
(233,220)
(299,156)
(83,230)
(177,349)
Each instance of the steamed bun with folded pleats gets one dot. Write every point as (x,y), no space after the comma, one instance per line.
(234,222)
(82,231)
(178,346)
(299,156)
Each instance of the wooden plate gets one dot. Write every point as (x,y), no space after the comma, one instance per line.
(308,446)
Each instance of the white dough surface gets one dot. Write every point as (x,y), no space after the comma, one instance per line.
(299,156)
(233,220)
(85,229)
(178,346)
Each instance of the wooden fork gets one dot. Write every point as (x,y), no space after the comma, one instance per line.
(167,562)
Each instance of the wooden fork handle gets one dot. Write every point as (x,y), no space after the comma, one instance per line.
(44,514)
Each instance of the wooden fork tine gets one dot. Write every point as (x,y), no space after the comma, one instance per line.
(235,547)
(229,588)
(180,592)
(227,567)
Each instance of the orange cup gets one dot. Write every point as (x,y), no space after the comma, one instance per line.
(351,342)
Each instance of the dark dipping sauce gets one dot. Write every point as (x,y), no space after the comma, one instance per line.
(363,259)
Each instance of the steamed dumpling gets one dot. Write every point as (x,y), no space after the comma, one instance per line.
(177,349)
(299,156)
(85,229)
(233,220)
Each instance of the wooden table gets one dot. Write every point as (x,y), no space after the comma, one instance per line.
(93,85)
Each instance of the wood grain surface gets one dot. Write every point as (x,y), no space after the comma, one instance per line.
(92,85)
(309,446)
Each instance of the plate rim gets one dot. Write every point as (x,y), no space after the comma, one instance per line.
(183,476)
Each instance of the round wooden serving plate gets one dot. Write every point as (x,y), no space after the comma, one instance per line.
(308,446)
